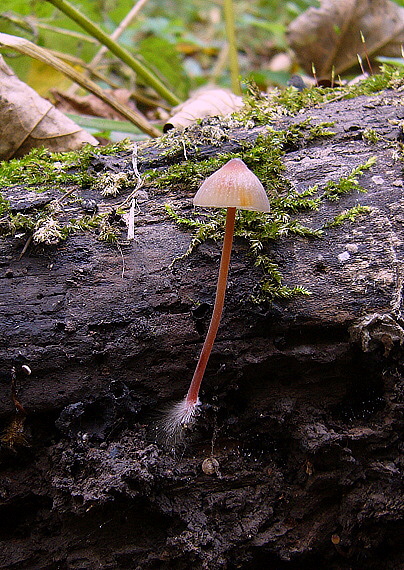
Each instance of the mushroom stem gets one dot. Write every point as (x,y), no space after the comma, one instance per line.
(192,395)
(232,186)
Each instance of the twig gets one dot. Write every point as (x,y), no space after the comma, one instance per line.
(132,196)
(65,195)
(131,220)
(24,249)
(366,53)
(185,150)
(123,260)
(28,48)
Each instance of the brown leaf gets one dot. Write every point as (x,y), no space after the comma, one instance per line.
(206,102)
(330,36)
(92,105)
(37,52)
(28,121)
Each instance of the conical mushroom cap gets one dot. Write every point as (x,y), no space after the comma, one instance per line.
(233,186)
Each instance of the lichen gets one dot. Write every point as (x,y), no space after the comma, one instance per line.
(47,232)
(111,183)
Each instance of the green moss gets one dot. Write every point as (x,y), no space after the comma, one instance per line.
(83,224)
(4,205)
(41,225)
(264,157)
(19,222)
(347,215)
(107,232)
(346,184)
(271,290)
(370,136)
(44,169)
(99,224)
(262,109)
(45,228)
(206,132)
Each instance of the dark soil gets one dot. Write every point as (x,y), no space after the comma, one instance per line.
(303,399)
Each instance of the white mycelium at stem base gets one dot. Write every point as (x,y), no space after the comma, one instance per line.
(232,186)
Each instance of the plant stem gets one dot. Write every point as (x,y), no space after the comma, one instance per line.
(119,30)
(114,36)
(192,396)
(231,40)
(116,49)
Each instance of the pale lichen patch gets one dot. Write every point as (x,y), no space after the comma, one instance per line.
(378,180)
(352,247)
(344,256)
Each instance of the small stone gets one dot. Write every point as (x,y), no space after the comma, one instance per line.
(378,180)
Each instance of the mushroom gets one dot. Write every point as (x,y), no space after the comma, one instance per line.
(232,186)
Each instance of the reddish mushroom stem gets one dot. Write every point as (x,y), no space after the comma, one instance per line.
(232,186)
(192,395)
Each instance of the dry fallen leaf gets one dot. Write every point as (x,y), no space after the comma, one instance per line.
(206,102)
(28,121)
(331,36)
(37,52)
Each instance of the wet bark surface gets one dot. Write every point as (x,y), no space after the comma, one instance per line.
(295,460)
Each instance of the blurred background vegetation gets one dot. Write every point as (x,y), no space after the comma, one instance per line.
(183,42)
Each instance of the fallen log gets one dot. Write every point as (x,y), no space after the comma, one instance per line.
(295,460)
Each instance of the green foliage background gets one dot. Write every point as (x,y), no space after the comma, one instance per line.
(178,39)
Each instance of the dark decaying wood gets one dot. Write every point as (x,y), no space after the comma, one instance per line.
(303,398)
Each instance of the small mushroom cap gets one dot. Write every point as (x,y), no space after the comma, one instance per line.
(233,186)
